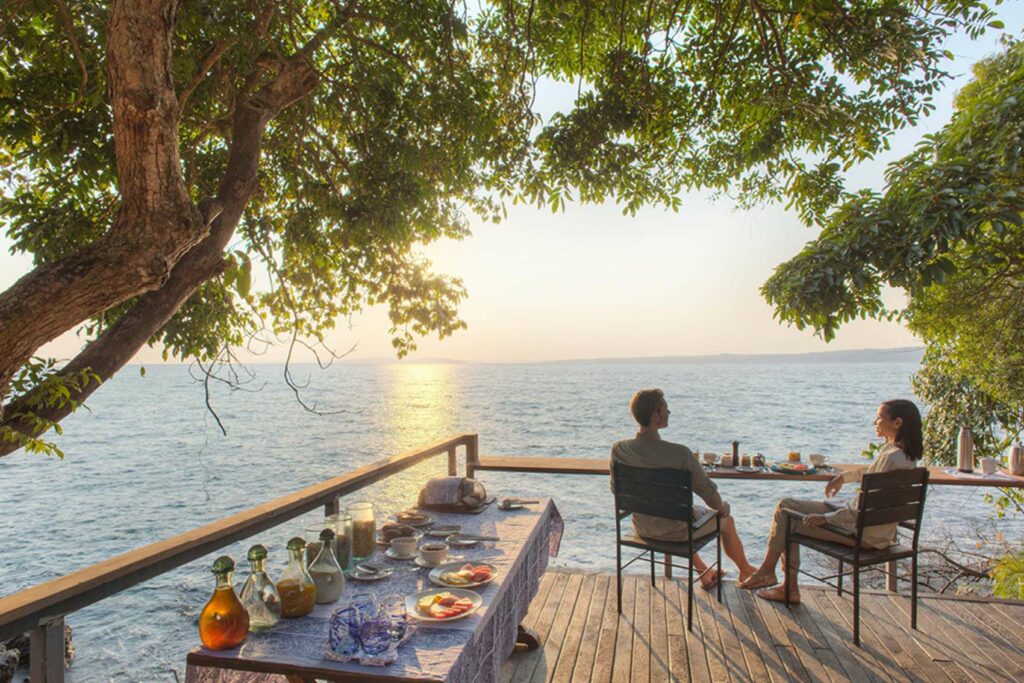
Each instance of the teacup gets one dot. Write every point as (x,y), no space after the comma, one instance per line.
(989,465)
(710,458)
(404,546)
(433,553)
(817,459)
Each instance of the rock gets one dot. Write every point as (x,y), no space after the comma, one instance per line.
(19,647)
(8,664)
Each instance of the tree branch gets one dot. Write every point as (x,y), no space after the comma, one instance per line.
(212,58)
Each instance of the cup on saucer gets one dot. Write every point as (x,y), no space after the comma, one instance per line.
(404,546)
(817,459)
(433,553)
(710,458)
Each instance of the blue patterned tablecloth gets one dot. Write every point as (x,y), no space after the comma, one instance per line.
(463,651)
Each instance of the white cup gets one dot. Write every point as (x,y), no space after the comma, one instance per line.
(710,458)
(989,465)
(404,546)
(817,459)
(433,553)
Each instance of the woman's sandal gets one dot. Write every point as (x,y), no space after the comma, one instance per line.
(778,595)
(763,582)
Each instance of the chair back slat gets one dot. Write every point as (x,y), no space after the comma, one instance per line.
(887,498)
(891,515)
(664,493)
(895,479)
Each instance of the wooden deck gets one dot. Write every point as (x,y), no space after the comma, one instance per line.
(748,639)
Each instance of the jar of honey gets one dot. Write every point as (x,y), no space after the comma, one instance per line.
(296,587)
(224,622)
(794,456)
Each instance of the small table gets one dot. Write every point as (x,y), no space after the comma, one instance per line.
(466,650)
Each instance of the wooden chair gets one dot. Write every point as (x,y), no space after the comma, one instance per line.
(664,493)
(885,498)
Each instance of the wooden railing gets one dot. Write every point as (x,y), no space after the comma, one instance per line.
(41,609)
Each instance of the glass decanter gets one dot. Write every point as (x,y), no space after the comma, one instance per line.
(325,570)
(296,587)
(223,623)
(259,597)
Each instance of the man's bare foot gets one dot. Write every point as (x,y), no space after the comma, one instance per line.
(758,580)
(778,594)
(711,578)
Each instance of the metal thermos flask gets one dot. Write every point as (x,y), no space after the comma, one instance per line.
(1016,460)
(965,450)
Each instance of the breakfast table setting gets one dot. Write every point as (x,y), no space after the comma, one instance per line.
(462,584)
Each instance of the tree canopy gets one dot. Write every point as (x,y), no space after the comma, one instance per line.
(155,154)
(948,228)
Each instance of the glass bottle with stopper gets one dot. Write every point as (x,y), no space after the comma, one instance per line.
(325,570)
(259,596)
(296,587)
(223,623)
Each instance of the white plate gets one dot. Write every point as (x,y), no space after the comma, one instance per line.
(456,542)
(390,552)
(412,611)
(427,520)
(748,470)
(360,575)
(510,506)
(417,534)
(442,530)
(435,574)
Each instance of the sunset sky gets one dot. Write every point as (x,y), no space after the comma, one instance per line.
(591,283)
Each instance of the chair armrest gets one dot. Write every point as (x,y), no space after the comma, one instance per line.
(793,514)
(704,519)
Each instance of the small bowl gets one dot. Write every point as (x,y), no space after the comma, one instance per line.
(434,553)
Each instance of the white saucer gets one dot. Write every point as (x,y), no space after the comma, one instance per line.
(390,552)
(420,562)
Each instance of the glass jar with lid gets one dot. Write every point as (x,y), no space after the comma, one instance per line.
(364,529)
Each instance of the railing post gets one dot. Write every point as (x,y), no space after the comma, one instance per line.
(892,581)
(333,507)
(46,652)
(472,454)
(668,566)
(453,464)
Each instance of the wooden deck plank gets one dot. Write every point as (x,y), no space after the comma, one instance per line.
(915,659)
(990,641)
(954,656)
(659,633)
(871,643)
(552,645)
(563,668)
(773,662)
(584,640)
(528,661)
(604,655)
(747,641)
(592,630)
(624,638)
(769,613)
(858,668)
(697,659)
(640,669)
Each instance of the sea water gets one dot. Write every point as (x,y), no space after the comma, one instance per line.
(149,462)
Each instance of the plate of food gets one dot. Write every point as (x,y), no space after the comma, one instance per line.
(391,531)
(414,518)
(747,469)
(442,605)
(442,530)
(793,468)
(461,575)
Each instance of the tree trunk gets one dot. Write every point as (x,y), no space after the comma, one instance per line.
(109,352)
(156,222)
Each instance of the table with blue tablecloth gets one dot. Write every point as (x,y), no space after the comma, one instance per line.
(467,650)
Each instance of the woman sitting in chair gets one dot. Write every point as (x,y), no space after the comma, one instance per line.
(899,423)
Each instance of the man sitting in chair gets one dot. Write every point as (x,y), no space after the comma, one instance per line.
(647,449)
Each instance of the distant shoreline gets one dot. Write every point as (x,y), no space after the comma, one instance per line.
(894,355)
